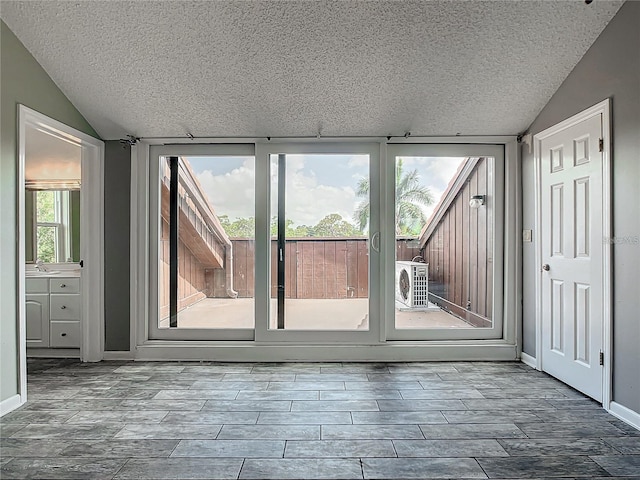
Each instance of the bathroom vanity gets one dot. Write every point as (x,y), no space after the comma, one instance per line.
(53,310)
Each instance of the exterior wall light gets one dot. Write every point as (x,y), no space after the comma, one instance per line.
(476,201)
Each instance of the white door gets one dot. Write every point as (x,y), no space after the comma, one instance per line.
(572,255)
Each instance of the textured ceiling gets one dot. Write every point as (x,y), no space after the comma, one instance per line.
(281,68)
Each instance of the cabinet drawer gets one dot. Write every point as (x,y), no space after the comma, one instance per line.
(64,285)
(65,307)
(37,285)
(65,334)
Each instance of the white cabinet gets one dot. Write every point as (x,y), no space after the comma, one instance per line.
(65,312)
(65,334)
(65,306)
(53,312)
(37,320)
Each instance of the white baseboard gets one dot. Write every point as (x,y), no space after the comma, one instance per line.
(625,414)
(10,404)
(186,351)
(53,352)
(118,355)
(528,360)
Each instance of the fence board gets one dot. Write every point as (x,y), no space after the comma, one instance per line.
(318,289)
(331,281)
(291,269)
(307,250)
(341,270)
(274,269)
(466,250)
(459,279)
(490,242)
(473,240)
(447,253)
(240,283)
(460,249)
(363,270)
(482,242)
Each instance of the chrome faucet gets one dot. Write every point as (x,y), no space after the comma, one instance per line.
(40,266)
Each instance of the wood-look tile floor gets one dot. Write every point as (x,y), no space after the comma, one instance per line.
(192,420)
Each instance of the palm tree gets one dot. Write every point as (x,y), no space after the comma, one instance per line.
(410,198)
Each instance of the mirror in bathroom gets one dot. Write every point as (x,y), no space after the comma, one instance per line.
(52,197)
(52,226)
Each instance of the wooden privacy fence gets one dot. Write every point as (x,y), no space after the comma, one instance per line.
(314,267)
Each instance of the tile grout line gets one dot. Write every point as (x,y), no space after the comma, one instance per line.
(481,467)
(121,468)
(241,467)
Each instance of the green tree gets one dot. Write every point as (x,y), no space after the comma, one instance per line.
(410,198)
(333,225)
(240,227)
(290,230)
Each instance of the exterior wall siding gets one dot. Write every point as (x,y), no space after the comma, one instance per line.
(460,250)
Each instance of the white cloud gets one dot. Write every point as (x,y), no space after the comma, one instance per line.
(437,195)
(435,172)
(357,161)
(231,193)
(308,201)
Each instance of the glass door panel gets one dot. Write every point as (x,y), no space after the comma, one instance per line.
(446,204)
(319,242)
(206,246)
(323,271)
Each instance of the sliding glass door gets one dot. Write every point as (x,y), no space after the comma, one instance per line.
(326,242)
(322,241)
(205,242)
(443,244)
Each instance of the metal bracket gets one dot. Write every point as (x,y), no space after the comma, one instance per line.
(131,140)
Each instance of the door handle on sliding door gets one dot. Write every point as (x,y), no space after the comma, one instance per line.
(375,241)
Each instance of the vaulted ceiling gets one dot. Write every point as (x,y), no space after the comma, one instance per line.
(284,68)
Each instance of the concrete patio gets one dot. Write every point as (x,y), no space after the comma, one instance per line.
(305,314)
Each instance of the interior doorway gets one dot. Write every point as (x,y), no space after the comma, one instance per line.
(60,241)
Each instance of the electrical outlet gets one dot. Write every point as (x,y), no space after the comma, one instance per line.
(527,236)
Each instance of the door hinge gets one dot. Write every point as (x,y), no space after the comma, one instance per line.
(601,145)
(601,358)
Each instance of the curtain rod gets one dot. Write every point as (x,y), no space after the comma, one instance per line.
(132,140)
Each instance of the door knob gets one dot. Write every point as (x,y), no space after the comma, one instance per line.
(546,267)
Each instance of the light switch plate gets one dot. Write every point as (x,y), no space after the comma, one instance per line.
(527,236)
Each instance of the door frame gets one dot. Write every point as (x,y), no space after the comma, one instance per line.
(604,109)
(263,240)
(91,237)
(507,348)
(496,193)
(153,332)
